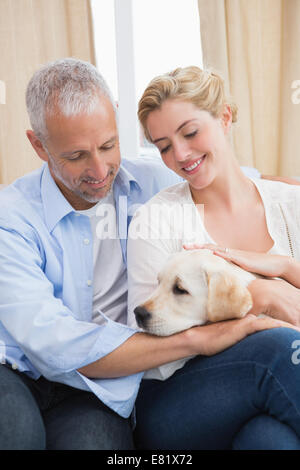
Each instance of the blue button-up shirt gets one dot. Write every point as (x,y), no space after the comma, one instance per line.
(46,270)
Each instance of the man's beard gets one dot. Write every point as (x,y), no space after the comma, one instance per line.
(82,194)
(87,197)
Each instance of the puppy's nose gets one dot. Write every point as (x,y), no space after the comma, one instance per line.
(141,315)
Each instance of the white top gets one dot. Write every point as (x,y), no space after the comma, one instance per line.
(170,219)
(110,277)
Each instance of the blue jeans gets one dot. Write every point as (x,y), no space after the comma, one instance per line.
(247,397)
(48,415)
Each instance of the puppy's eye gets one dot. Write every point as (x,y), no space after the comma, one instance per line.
(177,290)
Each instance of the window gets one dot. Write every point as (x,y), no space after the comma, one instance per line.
(136,40)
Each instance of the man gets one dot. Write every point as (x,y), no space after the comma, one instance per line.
(71,367)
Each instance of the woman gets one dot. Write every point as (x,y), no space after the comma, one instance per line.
(247,395)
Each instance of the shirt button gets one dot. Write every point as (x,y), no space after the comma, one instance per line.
(86,241)
(89,282)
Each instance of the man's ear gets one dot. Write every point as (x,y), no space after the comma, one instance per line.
(227,297)
(37,145)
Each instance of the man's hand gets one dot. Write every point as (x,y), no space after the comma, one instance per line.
(276,298)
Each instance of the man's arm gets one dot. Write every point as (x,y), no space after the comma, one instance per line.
(283,179)
(59,345)
(252,172)
(143,351)
(46,330)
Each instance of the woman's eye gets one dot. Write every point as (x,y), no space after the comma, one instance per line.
(165,149)
(191,134)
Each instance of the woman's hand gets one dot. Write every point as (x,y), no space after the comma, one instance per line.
(277,299)
(211,339)
(264,264)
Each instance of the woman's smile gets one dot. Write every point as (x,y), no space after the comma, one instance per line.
(193,167)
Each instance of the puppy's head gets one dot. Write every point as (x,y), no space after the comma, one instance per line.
(194,287)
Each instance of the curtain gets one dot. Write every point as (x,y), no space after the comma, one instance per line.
(255,45)
(33,32)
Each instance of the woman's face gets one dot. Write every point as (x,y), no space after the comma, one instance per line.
(191,141)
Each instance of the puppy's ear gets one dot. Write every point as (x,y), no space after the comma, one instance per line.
(227,297)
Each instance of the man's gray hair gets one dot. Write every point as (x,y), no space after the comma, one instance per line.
(71,84)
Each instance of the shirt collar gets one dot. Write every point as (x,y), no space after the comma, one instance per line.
(125,179)
(56,205)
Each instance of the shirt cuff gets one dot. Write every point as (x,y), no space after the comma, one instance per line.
(118,393)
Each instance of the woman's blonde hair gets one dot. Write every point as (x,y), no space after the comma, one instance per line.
(202,88)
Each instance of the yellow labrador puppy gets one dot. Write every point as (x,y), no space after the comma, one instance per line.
(195,287)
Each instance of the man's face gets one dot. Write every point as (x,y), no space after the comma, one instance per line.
(84,154)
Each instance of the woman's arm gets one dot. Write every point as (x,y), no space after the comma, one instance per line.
(291,272)
(276,298)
